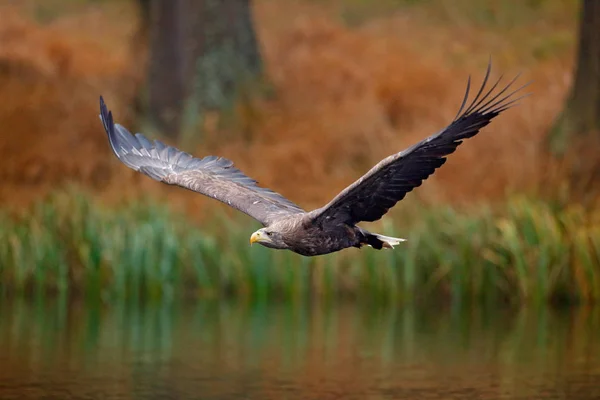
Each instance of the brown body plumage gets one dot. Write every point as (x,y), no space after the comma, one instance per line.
(332,227)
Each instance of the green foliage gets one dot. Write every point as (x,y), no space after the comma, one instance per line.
(525,251)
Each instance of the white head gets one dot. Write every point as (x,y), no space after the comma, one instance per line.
(268,237)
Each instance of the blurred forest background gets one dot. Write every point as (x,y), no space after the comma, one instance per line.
(305,96)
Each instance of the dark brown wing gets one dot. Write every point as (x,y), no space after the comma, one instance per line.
(370,197)
(212,176)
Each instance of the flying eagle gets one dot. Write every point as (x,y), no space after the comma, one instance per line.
(332,227)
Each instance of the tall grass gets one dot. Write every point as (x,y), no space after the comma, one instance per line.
(523,251)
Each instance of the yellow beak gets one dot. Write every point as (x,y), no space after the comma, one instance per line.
(254,238)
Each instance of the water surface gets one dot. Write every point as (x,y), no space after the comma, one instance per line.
(218,350)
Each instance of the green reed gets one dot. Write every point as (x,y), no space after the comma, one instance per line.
(521,251)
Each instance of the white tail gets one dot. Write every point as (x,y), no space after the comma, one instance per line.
(389,242)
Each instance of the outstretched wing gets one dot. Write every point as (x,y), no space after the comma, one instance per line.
(211,176)
(371,196)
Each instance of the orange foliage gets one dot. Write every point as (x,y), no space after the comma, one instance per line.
(345,98)
(50,79)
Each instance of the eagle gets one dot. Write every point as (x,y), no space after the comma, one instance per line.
(332,227)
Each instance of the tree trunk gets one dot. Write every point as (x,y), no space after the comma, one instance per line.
(166,75)
(573,171)
(581,115)
(203,55)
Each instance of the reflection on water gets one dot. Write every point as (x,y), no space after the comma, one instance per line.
(51,349)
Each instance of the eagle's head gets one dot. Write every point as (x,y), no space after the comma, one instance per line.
(269,237)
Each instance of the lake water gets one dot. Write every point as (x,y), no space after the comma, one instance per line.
(55,350)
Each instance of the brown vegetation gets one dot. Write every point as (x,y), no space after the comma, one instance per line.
(50,76)
(344,99)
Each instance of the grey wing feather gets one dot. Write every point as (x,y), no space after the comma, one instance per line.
(212,176)
(370,197)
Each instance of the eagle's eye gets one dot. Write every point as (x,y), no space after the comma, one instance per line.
(268,233)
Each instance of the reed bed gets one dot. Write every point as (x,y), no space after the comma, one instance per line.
(524,251)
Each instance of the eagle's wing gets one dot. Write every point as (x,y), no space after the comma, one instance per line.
(212,176)
(371,196)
